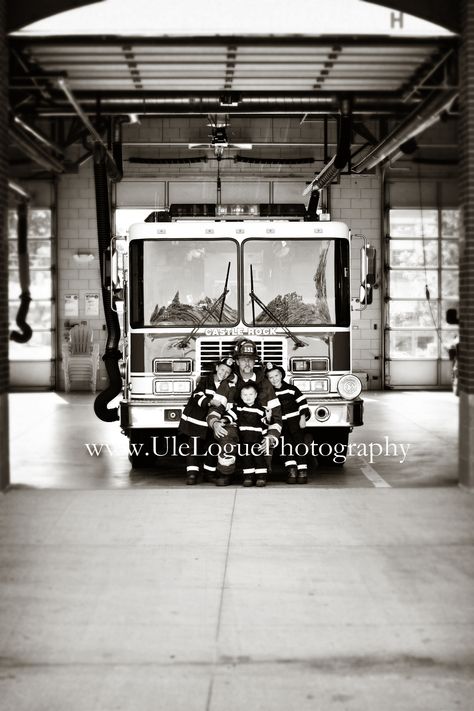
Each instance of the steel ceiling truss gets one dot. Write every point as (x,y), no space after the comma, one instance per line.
(114,77)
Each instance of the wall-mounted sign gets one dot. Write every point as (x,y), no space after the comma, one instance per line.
(71,305)
(91,304)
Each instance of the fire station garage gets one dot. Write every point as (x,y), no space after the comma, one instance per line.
(236,364)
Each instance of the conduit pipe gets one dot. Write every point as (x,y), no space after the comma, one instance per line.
(418,121)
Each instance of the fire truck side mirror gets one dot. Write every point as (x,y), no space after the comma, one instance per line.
(367,274)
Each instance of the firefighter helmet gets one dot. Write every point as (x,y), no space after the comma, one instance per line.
(274,366)
(246,347)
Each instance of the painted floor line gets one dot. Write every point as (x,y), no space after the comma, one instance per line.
(373,476)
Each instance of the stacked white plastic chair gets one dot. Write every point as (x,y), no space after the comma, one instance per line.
(80,358)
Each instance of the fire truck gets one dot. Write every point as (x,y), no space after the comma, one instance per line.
(190,282)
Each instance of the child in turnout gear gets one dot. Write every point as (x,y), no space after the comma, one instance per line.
(295,412)
(252,427)
(246,356)
(193,424)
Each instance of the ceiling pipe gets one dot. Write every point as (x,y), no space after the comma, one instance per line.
(34,151)
(113,170)
(418,121)
(18,190)
(37,135)
(145,105)
(339,161)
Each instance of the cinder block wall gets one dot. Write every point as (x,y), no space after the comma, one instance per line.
(77,233)
(356,201)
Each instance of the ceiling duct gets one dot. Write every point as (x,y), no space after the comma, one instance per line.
(418,121)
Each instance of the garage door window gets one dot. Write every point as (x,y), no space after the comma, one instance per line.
(423,251)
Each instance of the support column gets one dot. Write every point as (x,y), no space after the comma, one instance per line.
(4,374)
(4,333)
(466,267)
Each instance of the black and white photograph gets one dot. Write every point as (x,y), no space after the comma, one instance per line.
(237,355)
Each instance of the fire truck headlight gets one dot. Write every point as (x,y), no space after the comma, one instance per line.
(300,364)
(320,386)
(303,385)
(349,387)
(181,366)
(182,386)
(163,386)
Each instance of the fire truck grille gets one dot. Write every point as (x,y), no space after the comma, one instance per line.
(212,350)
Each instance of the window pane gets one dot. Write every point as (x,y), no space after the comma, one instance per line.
(12,254)
(412,313)
(40,286)
(39,223)
(298,280)
(450,284)
(409,253)
(39,314)
(413,223)
(411,284)
(179,282)
(37,348)
(12,223)
(39,252)
(413,344)
(450,223)
(450,253)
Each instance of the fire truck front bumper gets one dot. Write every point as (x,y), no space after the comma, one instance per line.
(336,412)
(150,415)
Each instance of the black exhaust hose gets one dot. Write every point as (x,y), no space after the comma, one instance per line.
(112,354)
(25,333)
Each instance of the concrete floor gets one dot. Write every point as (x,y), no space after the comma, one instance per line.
(124,591)
(50,432)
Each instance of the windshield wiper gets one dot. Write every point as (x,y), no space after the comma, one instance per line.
(255,300)
(219,302)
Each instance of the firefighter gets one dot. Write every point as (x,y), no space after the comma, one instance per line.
(295,412)
(246,356)
(193,424)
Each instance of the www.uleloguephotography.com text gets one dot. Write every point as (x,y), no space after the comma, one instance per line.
(170,446)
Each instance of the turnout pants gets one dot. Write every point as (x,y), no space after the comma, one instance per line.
(294,456)
(199,452)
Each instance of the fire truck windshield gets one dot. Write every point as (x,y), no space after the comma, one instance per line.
(177,282)
(302,281)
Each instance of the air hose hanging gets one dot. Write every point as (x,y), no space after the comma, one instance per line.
(25,333)
(112,353)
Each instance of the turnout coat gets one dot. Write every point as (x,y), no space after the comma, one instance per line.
(193,421)
(229,390)
(251,421)
(293,405)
